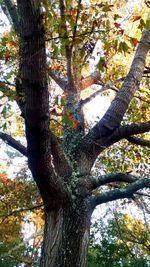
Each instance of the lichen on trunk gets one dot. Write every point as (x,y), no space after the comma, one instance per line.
(66,236)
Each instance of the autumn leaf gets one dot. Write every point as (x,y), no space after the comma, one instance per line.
(12,44)
(135,18)
(121,31)
(3,178)
(27,260)
(17,98)
(134,41)
(70,116)
(7,55)
(117,25)
(76,123)
(73,12)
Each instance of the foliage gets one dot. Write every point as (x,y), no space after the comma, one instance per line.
(94,33)
(125,241)
(17,196)
(97,37)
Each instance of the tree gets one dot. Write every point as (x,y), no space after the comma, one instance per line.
(61,165)
(13,248)
(124,242)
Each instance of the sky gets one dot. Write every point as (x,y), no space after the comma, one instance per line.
(93,110)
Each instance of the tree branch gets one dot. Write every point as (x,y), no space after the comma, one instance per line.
(68,49)
(61,163)
(117,109)
(90,148)
(92,79)
(15,212)
(61,82)
(13,143)
(128,130)
(95,78)
(10,11)
(62,166)
(115,194)
(110,86)
(76,22)
(91,145)
(37,117)
(110,178)
(138,141)
(6,83)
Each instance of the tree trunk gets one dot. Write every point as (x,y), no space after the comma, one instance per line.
(66,237)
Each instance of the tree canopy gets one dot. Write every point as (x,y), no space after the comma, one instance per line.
(57,58)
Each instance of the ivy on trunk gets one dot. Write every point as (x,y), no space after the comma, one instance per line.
(62,168)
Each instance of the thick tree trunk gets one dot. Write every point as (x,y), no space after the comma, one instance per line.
(66,237)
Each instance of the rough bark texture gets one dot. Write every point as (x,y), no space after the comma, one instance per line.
(66,237)
(62,169)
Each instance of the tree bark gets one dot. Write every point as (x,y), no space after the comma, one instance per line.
(57,170)
(66,237)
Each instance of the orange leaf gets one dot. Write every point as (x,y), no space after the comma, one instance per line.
(12,43)
(134,41)
(135,18)
(3,178)
(73,12)
(27,260)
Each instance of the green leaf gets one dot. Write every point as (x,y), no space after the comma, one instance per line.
(147,24)
(123,47)
(142,25)
(101,64)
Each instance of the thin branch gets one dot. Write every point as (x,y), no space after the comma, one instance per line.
(13,143)
(138,141)
(76,22)
(9,253)
(115,194)
(16,212)
(71,36)
(90,80)
(136,241)
(4,83)
(143,194)
(67,47)
(121,236)
(95,78)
